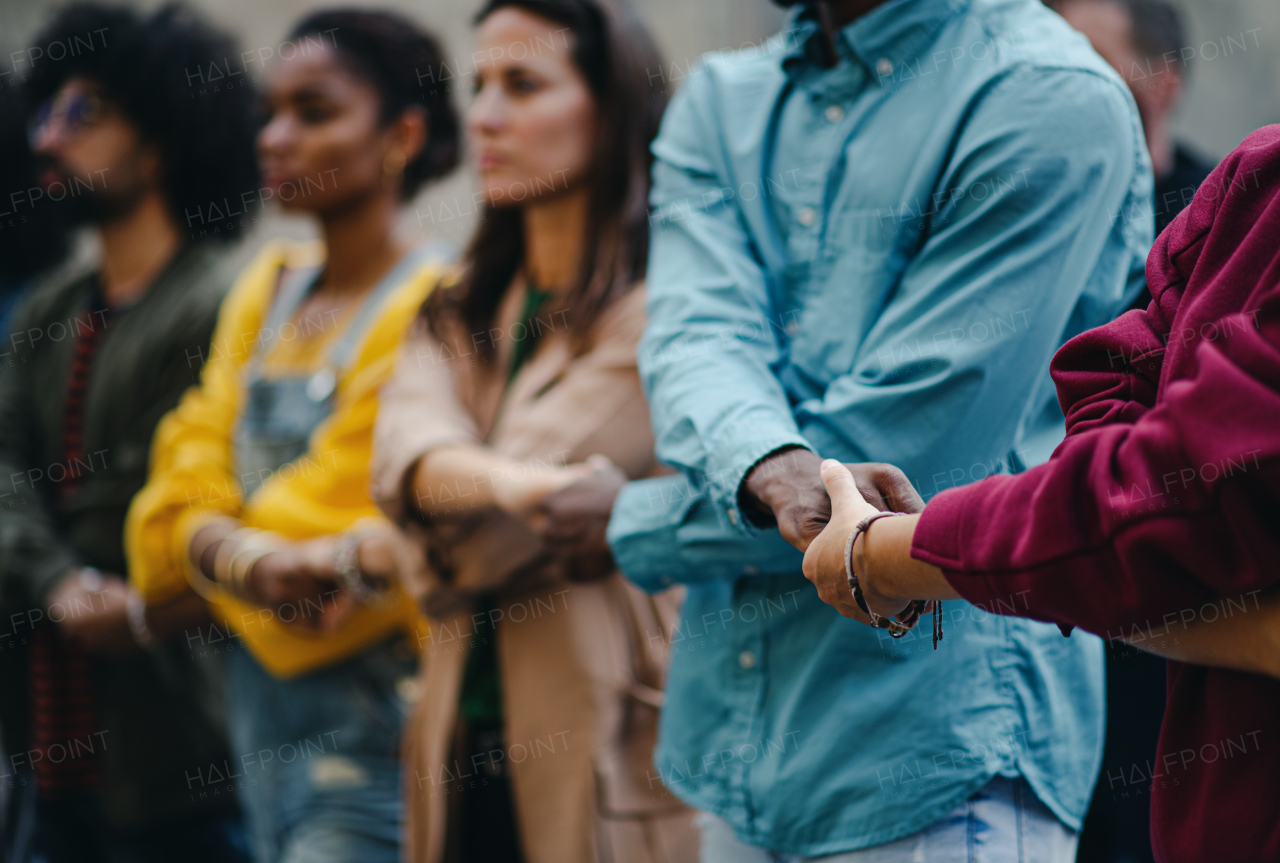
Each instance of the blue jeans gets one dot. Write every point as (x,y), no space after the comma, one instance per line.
(1003,823)
(318,757)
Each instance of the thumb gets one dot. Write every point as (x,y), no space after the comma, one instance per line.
(840,487)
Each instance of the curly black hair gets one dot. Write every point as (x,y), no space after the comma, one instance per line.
(153,68)
(396,56)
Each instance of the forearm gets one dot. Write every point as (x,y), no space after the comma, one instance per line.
(884,550)
(456,479)
(461,476)
(1248,642)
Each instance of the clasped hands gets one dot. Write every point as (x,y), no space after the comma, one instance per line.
(567,505)
(817,504)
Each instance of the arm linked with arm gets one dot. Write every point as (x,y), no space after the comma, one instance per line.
(1135,526)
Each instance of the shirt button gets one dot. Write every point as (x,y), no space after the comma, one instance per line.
(835,113)
(747,659)
(733,517)
(792,327)
(884,66)
(807,216)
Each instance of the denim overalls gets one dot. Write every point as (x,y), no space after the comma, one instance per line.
(317,754)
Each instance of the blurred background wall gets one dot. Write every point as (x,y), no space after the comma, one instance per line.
(1233,89)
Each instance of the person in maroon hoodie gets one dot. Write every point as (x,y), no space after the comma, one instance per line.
(1157,520)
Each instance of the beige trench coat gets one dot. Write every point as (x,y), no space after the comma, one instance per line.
(581,662)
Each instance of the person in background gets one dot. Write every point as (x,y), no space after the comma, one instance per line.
(1144,41)
(514,417)
(121,710)
(34,239)
(95,359)
(869,237)
(1157,520)
(258,496)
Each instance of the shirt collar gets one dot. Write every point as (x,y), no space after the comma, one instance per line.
(881,40)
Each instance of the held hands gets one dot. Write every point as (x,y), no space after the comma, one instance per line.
(824,560)
(570,508)
(788,486)
(817,504)
(573,520)
(299,577)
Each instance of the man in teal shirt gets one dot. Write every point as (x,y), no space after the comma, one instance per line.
(866,246)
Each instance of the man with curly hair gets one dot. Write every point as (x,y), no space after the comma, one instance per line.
(122,732)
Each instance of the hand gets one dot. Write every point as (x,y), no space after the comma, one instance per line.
(824,562)
(387,558)
(574,519)
(93,612)
(788,486)
(524,497)
(297,579)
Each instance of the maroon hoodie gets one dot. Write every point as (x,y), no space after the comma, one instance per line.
(1162,506)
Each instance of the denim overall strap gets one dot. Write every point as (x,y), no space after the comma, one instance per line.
(341,351)
(280,414)
(294,289)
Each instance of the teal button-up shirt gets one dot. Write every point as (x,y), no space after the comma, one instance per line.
(875,261)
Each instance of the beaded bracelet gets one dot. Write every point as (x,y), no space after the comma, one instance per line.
(908,617)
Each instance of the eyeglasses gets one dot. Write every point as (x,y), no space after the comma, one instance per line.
(67,114)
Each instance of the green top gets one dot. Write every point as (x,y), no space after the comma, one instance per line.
(480,701)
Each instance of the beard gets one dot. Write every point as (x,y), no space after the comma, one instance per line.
(99,198)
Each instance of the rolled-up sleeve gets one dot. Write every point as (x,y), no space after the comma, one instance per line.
(419,410)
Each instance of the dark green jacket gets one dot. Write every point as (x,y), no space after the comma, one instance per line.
(160,710)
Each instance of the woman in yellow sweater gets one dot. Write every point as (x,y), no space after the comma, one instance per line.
(258,495)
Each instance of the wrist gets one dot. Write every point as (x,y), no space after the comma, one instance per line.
(774,481)
(875,580)
(261,575)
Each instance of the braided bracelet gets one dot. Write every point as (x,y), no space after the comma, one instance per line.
(908,617)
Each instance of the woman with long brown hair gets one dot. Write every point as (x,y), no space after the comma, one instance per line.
(514,417)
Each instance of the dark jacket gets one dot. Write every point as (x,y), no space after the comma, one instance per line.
(1162,506)
(160,709)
